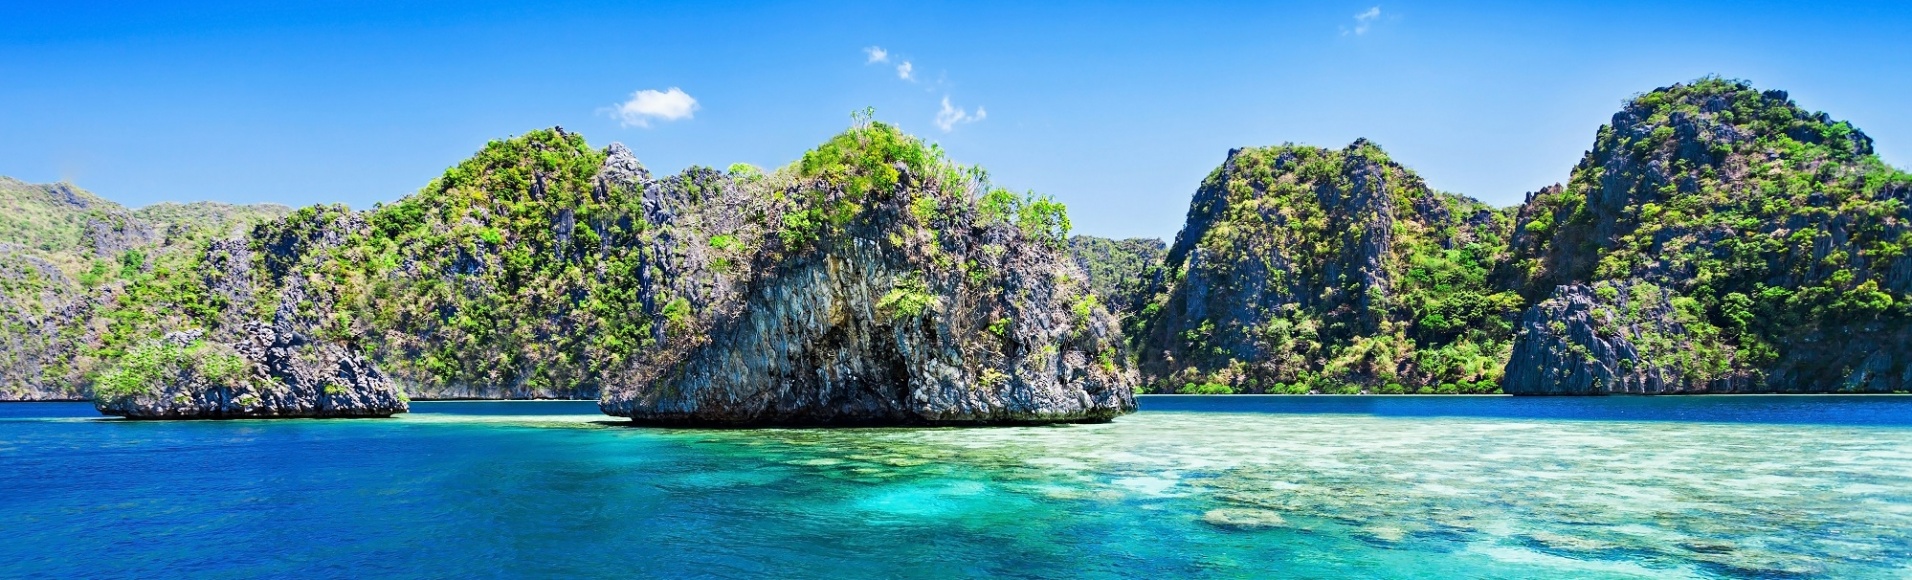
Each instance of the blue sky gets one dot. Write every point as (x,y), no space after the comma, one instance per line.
(1118,109)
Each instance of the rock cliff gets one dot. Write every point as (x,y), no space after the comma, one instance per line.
(1613,337)
(66,257)
(873,282)
(267,372)
(1303,269)
(1716,238)
(1773,239)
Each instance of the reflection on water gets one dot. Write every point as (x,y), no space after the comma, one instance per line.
(518,489)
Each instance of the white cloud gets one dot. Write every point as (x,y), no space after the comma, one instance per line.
(906,71)
(876,54)
(950,116)
(1362,21)
(647,104)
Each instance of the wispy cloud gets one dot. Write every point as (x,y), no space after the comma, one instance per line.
(647,104)
(950,116)
(1362,22)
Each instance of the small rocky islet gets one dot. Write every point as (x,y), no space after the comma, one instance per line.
(1716,238)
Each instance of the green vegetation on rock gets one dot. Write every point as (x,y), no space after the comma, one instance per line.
(1778,234)
(1304,269)
(68,256)
(1120,271)
(1716,238)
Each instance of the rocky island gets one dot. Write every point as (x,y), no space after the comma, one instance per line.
(874,282)
(1716,238)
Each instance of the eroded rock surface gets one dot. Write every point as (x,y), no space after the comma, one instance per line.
(268,373)
(1772,237)
(873,285)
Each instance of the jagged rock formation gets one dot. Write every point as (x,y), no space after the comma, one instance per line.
(40,308)
(504,278)
(873,283)
(868,284)
(1304,269)
(270,372)
(1715,239)
(1613,337)
(66,256)
(1774,237)
(245,335)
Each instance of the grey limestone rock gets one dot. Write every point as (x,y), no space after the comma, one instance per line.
(900,316)
(268,372)
(1611,338)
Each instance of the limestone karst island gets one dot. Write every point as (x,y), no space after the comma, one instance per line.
(1114,291)
(1715,238)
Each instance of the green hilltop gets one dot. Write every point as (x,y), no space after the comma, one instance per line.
(1715,238)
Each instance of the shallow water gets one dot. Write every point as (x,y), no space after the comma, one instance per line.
(1225,487)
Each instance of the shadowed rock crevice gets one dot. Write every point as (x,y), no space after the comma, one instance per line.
(873,283)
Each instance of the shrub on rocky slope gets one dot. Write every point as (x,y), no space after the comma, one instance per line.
(1775,233)
(1304,269)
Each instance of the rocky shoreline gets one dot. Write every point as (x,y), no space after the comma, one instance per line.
(1716,239)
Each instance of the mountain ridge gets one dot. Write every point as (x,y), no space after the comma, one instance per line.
(1716,238)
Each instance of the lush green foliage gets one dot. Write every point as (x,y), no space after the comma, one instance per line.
(870,159)
(910,298)
(148,368)
(1767,222)
(1121,272)
(71,261)
(473,280)
(518,269)
(1329,271)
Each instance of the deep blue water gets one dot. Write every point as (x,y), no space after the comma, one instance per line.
(1226,487)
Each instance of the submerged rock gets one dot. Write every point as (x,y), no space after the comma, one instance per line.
(1243,519)
(873,283)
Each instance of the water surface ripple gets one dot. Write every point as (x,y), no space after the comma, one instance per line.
(1312,487)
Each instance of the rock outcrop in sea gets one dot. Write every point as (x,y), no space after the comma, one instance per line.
(249,338)
(874,283)
(1717,239)
(67,258)
(1303,269)
(267,373)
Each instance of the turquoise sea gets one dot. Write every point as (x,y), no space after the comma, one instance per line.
(1211,487)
